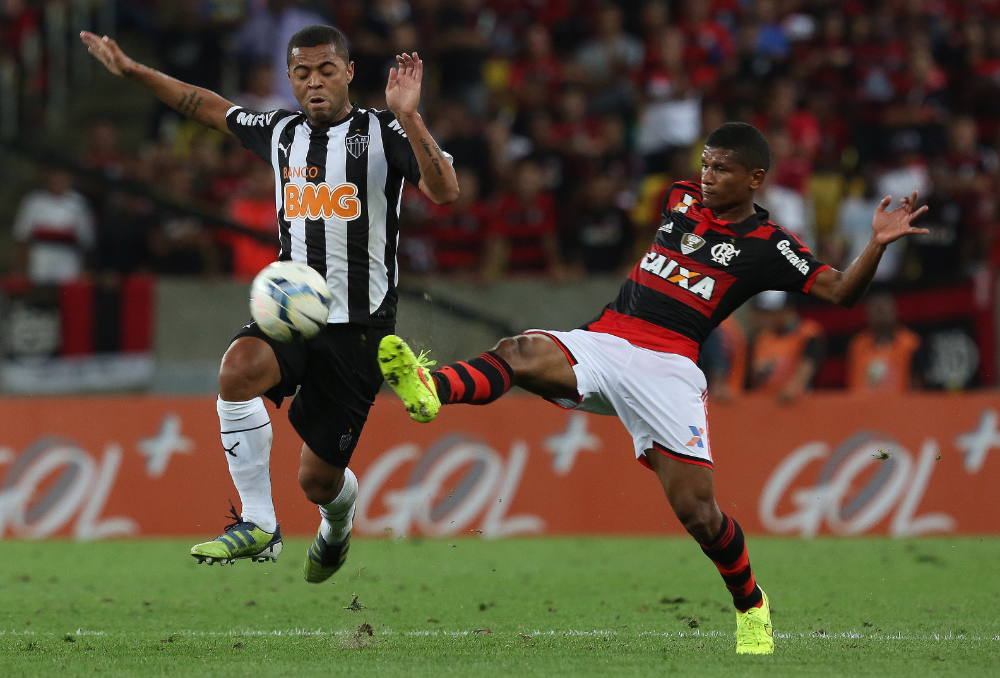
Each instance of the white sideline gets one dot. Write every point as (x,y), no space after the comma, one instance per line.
(839,635)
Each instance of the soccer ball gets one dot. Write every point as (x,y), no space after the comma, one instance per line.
(290,301)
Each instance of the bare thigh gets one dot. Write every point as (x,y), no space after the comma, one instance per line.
(539,365)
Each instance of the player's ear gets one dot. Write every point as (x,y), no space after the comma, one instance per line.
(757,177)
(350,71)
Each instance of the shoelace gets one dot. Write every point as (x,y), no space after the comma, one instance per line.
(424,361)
(237,518)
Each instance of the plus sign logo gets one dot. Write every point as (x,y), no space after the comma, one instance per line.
(976,445)
(566,445)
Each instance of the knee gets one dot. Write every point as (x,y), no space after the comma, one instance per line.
(235,379)
(248,369)
(516,351)
(319,490)
(700,517)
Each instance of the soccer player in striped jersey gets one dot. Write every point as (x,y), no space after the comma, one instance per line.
(339,172)
(714,250)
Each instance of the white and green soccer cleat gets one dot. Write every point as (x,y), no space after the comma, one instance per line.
(242,539)
(410,378)
(324,559)
(754,634)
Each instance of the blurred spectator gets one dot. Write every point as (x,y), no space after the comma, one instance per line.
(786,349)
(180,243)
(456,234)
(881,357)
(53,231)
(602,237)
(724,360)
(254,208)
(522,235)
(671,116)
(938,257)
(461,43)
(123,236)
(538,66)
(854,225)
(103,154)
(458,133)
(372,43)
(265,36)
(610,59)
(260,87)
(19,32)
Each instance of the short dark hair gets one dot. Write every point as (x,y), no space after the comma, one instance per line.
(317,35)
(748,145)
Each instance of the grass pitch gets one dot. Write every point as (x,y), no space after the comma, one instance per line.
(530,607)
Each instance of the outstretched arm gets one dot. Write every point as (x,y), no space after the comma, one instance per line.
(199,104)
(402,94)
(845,288)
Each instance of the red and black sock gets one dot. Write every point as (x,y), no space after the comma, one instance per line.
(729,553)
(477,382)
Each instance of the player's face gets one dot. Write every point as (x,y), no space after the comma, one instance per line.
(725,183)
(319,79)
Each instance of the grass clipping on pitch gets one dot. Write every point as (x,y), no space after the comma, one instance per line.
(532,607)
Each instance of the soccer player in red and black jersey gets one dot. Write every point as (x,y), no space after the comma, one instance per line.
(714,250)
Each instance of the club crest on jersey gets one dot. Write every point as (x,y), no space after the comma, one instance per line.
(686,202)
(690,242)
(356,144)
(723,253)
(668,269)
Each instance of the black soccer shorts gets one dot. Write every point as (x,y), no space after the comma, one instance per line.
(337,377)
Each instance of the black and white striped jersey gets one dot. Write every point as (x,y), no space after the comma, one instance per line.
(337,191)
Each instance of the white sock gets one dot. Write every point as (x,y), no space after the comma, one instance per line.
(246,437)
(338,515)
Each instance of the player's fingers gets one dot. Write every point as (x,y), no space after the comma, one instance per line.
(913,230)
(392,79)
(916,214)
(418,68)
(885,203)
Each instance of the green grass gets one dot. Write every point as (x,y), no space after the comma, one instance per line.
(554,607)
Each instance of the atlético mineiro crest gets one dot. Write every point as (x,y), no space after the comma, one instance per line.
(356,144)
(690,242)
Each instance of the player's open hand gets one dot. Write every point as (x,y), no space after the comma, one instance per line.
(108,53)
(402,92)
(888,227)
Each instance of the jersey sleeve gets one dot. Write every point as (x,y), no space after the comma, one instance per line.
(681,197)
(398,151)
(255,130)
(794,268)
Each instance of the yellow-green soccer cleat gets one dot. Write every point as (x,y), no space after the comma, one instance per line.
(754,634)
(324,559)
(410,378)
(242,539)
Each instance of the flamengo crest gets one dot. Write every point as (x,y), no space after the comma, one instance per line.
(690,242)
(723,253)
(356,144)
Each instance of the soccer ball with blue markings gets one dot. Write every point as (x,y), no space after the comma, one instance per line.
(290,301)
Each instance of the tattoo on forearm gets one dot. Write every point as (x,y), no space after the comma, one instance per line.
(434,155)
(188,105)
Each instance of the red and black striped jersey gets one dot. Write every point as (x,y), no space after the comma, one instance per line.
(698,271)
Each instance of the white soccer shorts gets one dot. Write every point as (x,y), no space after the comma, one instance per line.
(660,397)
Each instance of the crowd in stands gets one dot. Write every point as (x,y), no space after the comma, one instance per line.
(568,120)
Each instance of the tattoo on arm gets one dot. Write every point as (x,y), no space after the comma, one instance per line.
(188,106)
(434,155)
